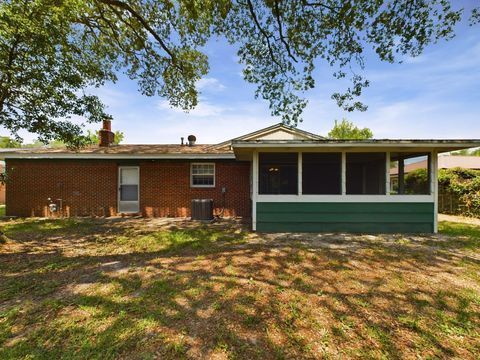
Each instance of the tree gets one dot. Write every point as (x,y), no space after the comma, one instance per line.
(52,52)
(346,130)
(7,142)
(94,138)
(466,152)
(91,139)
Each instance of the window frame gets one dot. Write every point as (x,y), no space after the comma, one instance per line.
(297,170)
(382,181)
(192,175)
(340,175)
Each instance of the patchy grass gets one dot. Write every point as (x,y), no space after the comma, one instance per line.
(462,235)
(148,289)
(2,210)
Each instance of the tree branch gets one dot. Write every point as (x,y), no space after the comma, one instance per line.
(318,4)
(282,39)
(264,33)
(145,24)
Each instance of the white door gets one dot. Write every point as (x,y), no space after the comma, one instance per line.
(128,189)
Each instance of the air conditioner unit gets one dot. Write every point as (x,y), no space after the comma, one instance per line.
(202,209)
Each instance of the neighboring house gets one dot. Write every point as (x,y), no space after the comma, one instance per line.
(2,185)
(444,162)
(282,178)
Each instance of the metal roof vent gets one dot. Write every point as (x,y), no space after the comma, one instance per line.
(191,140)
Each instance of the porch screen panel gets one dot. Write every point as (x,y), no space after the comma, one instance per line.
(410,173)
(322,173)
(278,173)
(366,173)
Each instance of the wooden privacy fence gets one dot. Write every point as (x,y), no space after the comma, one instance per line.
(449,203)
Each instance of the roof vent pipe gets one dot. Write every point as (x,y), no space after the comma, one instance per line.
(191,140)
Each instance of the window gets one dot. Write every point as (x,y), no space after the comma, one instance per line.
(321,173)
(409,174)
(366,173)
(278,173)
(202,175)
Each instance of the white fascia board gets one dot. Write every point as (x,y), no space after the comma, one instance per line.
(347,198)
(119,156)
(356,145)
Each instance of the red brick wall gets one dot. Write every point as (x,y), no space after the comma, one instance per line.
(89,187)
(85,187)
(165,188)
(2,189)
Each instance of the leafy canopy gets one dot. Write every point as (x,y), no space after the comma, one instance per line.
(7,142)
(54,52)
(346,130)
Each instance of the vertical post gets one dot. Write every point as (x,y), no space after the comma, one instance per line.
(344,172)
(387,175)
(254,189)
(300,173)
(401,175)
(434,186)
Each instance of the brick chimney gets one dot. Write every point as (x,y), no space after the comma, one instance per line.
(106,136)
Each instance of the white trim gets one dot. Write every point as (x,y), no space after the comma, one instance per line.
(319,144)
(387,174)
(191,175)
(346,198)
(300,173)
(254,189)
(434,188)
(117,156)
(344,173)
(118,189)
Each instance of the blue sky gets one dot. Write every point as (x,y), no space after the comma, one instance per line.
(436,95)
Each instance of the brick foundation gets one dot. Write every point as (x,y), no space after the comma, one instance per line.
(89,187)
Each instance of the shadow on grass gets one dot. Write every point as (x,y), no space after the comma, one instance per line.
(203,291)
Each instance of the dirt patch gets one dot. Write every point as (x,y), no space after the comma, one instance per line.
(139,288)
(459,219)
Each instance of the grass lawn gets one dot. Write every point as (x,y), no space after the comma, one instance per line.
(2,210)
(146,289)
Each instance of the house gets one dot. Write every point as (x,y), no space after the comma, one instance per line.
(281,178)
(2,185)
(444,162)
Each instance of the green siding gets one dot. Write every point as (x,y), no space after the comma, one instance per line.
(356,217)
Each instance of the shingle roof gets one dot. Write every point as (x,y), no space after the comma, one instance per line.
(141,149)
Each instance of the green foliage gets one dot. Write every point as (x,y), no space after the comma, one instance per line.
(465,184)
(346,130)
(94,139)
(7,142)
(52,51)
(466,152)
(417,182)
(91,138)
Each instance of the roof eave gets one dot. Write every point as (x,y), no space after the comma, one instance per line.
(119,156)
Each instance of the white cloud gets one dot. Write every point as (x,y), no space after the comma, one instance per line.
(203,109)
(210,84)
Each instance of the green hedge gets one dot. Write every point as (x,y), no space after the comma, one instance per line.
(464,185)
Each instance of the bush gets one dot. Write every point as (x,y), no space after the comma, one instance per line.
(416,182)
(464,184)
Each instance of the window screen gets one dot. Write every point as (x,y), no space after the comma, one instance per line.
(321,173)
(203,175)
(409,173)
(278,173)
(128,192)
(366,173)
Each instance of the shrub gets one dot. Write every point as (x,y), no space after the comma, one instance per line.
(463,184)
